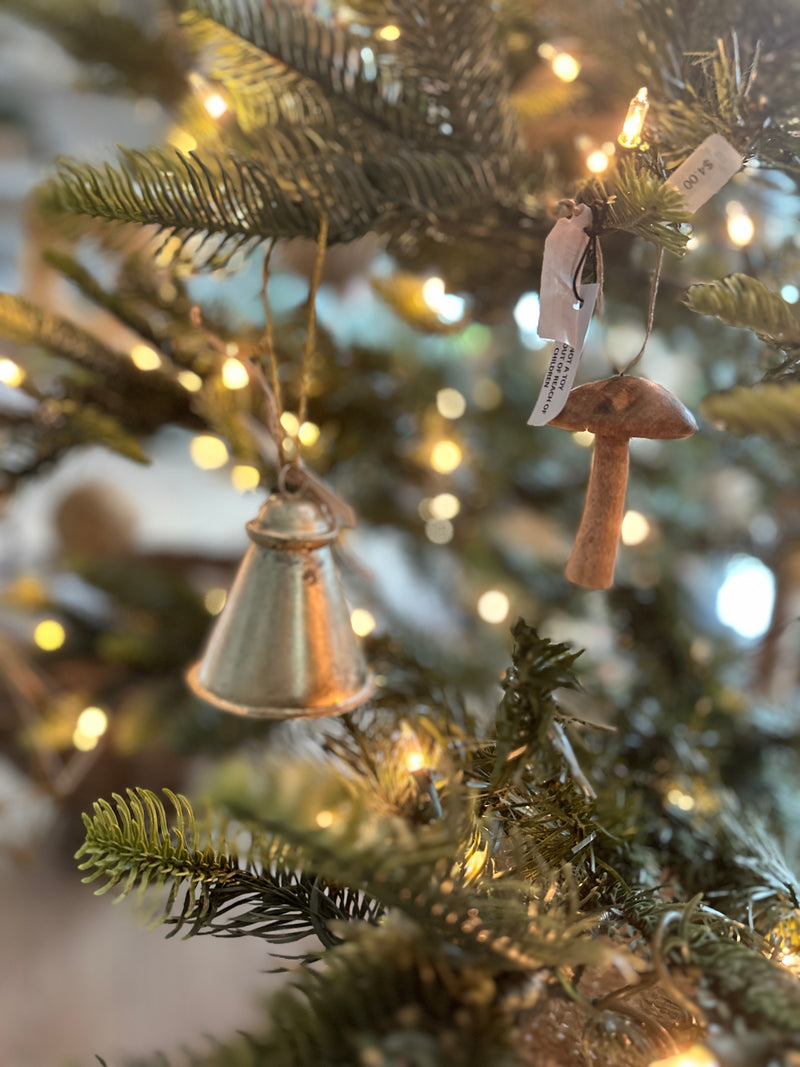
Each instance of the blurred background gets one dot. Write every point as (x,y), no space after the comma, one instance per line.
(112,571)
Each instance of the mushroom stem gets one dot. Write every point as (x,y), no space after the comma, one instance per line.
(591,562)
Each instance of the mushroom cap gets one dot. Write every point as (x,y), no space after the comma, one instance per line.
(623,407)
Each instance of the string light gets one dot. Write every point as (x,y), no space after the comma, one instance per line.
(308,434)
(208,453)
(290,423)
(91,725)
(631,135)
(432,292)
(680,800)
(443,506)
(635,528)
(389,33)
(324,819)
(450,403)
(741,228)
(493,606)
(145,358)
(214,600)
(216,105)
(696,1056)
(49,635)
(93,722)
(415,760)
(11,373)
(565,66)
(446,456)
(787,937)
(439,531)
(597,161)
(245,478)
(234,374)
(190,381)
(449,307)
(362,622)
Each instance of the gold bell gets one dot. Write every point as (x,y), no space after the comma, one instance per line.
(283,646)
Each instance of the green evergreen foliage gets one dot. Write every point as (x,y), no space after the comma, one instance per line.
(739,300)
(526,712)
(768,409)
(135,844)
(530,863)
(418,917)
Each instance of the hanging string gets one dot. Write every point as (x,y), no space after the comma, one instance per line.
(651,311)
(308,354)
(266,347)
(592,252)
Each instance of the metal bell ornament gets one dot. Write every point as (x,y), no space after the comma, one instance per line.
(283,646)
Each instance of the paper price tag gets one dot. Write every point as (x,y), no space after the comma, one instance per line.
(708,168)
(563,366)
(565,244)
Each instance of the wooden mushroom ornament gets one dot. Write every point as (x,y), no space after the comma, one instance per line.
(614,410)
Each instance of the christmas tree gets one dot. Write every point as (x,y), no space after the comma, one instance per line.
(325,281)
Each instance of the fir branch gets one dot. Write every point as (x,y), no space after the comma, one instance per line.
(406,90)
(238,201)
(421,871)
(87,423)
(242,203)
(770,409)
(188,197)
(388,995)
(742,869)
(24,322)
(265,92)
(641,203)
(746,302)
(134,844)
(747,983)
(113,405)
(538,668)
(111,300)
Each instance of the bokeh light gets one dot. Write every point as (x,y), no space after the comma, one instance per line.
(208,453)
(746,597)
(145,358)
(445,456)
(362,622)
(493,606)
(190,381)
(11,373)
(49,635)
(215,600)
(245,478)
(450,403)
(565,66)
(234,374)
(216,105)
(635,528)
